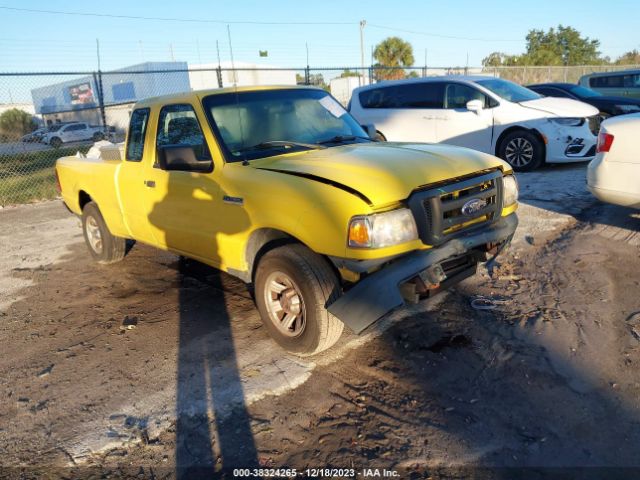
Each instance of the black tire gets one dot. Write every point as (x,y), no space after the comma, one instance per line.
(98,136)
(523,150)
(55,142)
(380,137)
(315,285)
(110,248)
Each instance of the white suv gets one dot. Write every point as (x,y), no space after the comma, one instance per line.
(72,132)
(484,113)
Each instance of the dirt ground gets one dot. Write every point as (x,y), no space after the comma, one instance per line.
(160,368)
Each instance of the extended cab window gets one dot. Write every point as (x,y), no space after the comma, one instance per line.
(137,132)
(178,125)
(411,95)
(458,94)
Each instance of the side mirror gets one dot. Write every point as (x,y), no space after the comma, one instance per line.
(370,128)
(182,158)
(475,105)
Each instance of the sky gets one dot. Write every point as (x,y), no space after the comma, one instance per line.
(444,33)
(31,41)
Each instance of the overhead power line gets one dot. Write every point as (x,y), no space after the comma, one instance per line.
(170,19)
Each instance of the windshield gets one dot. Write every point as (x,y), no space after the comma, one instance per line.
(582,92)
(264,123)
(508,90)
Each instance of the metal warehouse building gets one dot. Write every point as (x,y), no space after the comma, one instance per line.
(78,99)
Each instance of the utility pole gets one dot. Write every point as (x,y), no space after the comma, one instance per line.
(426,53)
(466,68)
(98,52)
(362,24)
(171,52)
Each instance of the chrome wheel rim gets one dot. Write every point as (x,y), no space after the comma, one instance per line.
(284,304)
(519,152)
(93,234)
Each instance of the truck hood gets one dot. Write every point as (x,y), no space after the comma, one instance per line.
(383,173)
(561,107)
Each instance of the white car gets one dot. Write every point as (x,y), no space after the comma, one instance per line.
(613,175)
(72,132)
(484,113)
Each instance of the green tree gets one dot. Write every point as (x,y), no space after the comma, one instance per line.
(499,59)
(561,46)
(557,46)
(629,58)
(15,123)
(349,73)
(392,52)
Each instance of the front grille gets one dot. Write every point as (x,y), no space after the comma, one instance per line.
(594,124)
(438,211)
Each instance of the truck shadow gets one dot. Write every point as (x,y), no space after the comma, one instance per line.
(213,429)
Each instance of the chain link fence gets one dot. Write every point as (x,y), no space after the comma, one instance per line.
(45,116)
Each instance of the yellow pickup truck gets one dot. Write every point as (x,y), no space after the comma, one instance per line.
(280,187)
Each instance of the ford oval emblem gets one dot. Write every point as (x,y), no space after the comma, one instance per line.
(473,206)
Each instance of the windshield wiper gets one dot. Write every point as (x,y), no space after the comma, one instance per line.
(280,143)
(341,138)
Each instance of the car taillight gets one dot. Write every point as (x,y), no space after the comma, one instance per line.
(58,186)
(604,142)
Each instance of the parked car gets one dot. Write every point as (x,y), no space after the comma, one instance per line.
(72,132)
(488,114)
(613,175)
(624,83)
(34,136)
(282,188)
(608,106)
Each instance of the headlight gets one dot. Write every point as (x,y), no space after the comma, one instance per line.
(509,191)
(382,229)
(568,122)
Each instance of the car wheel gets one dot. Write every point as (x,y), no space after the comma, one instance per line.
(104,247)
(523,150)
(293,288)
(98,136)
(55,142)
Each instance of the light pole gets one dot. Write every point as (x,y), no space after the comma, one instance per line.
(360,77)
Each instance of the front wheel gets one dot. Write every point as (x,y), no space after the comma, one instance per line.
(104,247)
(55,142)
(98,136)
(293,288)
(523,150)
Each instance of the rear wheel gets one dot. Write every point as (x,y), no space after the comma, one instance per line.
(523,150)
(293,287)
(104,247)
(98,136)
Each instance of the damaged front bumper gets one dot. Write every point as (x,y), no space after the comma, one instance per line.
(377,294)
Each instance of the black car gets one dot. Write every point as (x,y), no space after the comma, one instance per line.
(608,106)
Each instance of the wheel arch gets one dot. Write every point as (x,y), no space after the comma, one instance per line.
(83,199)
(264,240)
(516,128)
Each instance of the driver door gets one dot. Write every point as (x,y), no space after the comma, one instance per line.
(182,205)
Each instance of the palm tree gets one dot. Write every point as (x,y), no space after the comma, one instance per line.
(392,52)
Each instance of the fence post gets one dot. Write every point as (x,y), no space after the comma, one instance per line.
(103,115)
(307,76)
(219,73)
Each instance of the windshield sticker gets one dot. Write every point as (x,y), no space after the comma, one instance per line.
(333,107)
